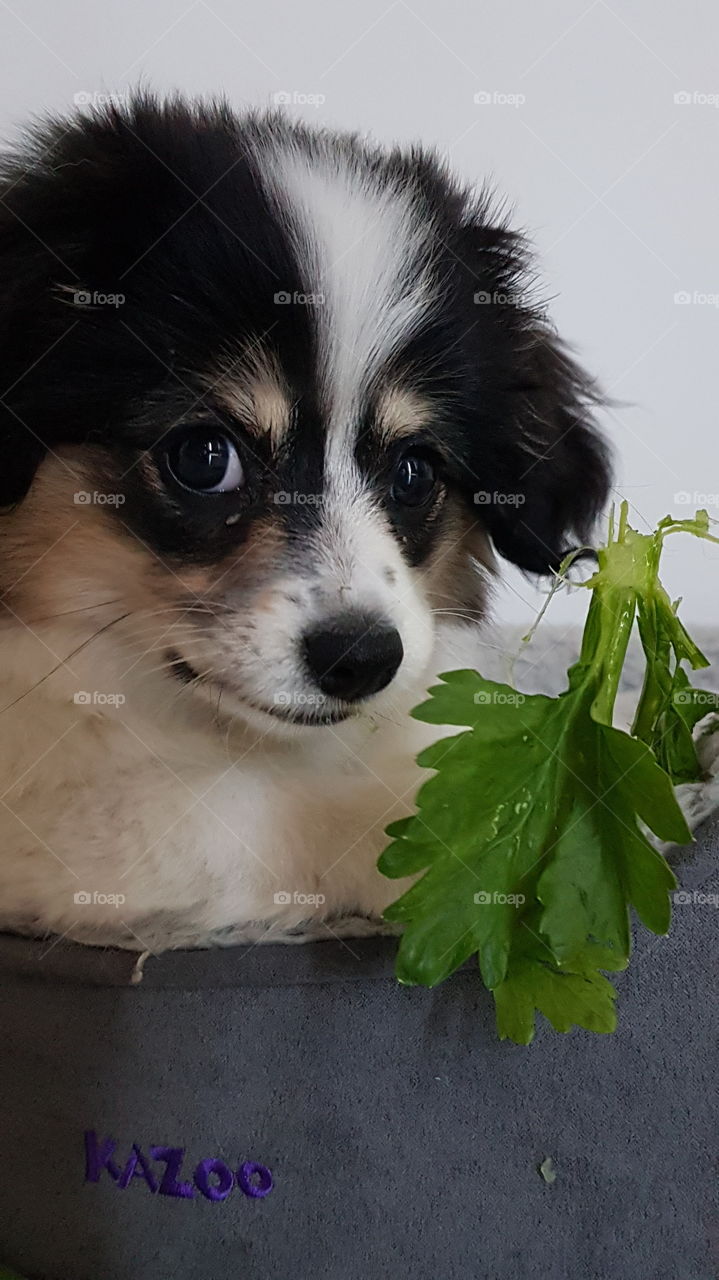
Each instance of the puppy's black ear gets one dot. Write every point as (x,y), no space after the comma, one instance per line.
(30,262)
(555,462)
(543,467)
(21,449)
(20,456)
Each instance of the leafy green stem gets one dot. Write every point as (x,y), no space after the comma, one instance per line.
(618,611)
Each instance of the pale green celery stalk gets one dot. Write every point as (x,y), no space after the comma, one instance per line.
(657,668)
(627,574)
(610,617)
(652,694)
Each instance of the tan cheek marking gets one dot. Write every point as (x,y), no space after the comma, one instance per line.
(58,558)
(452,580)
(58,555)
(150,475)
(251,568)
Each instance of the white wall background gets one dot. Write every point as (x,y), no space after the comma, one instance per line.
(615,177)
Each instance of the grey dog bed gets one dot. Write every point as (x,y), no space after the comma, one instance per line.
(353,1128)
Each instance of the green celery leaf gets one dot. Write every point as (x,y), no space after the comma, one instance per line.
(573,994)
(477,848)
(557,822)
(640,783)
(529,844)
(566,1000)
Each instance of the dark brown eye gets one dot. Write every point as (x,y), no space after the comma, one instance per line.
(205,461)
(414,480)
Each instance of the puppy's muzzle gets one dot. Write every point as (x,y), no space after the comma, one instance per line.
(353,656)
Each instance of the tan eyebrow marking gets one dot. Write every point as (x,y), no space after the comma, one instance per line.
(254,391)
(401,412)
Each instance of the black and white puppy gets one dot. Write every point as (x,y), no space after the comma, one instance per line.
(271,398)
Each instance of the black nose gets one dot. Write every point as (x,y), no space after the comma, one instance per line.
(351,658)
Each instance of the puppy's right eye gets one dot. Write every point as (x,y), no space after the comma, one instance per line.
(205,461)
(414,480)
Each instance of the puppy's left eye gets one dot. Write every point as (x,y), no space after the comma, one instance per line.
(205,461)
(414,480)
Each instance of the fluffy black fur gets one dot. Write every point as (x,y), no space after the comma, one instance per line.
(160,202)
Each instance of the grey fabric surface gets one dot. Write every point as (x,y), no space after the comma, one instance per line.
(404,1139)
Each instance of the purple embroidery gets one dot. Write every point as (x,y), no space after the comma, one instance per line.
(173,1157)
(202,1179)
(212,1177)
(131,1170)
(98,1156)
(254,1179)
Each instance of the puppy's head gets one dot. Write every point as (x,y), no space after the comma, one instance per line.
(274,396)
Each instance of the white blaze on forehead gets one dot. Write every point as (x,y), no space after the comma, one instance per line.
(364,249)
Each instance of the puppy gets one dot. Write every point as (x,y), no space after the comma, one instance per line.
(271,401)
